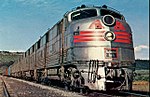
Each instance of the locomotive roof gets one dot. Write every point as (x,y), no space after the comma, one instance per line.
(86,7)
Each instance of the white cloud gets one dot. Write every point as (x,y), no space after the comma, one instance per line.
(13,50)
(140,48)
(16,50)
(142,52)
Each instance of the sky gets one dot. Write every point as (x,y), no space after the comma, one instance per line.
(22,22)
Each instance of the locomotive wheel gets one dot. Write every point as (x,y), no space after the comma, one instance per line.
(66,87)
(42,83)
(84,90)
(71,88)
(49,83)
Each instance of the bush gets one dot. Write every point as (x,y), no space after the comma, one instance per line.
(142,75)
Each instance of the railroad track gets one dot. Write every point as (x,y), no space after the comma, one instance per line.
(94,93)
(136,93)
(118,94)
(5,92)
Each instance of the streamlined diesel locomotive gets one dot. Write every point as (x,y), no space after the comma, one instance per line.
(89,47)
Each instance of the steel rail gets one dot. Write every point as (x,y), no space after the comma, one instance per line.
(5,90)
(135,94)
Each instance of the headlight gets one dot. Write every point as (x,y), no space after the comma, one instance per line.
(109,35)
(108,20)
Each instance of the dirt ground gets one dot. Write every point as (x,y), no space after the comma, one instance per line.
(141,86)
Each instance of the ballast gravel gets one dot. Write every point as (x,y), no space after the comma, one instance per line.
(29,89)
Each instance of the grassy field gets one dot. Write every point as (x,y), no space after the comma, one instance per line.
(141,80)
(141,75)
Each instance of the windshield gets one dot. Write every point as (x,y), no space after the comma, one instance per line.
(81,14)
(109,12)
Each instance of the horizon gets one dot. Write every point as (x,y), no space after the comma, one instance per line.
(24,52)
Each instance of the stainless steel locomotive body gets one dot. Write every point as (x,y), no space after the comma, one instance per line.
(102,47)
(89,35)
(90,47)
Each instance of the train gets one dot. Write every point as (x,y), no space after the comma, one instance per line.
(90,47)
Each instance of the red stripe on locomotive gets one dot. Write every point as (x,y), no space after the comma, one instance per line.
(87,40)
(123,37)
(86,36)
(123,41)
(119,26)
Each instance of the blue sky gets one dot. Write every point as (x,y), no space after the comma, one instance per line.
(22,22)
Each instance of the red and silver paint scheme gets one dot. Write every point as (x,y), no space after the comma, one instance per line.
(100,44)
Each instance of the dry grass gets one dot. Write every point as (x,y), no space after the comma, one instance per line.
(141,86)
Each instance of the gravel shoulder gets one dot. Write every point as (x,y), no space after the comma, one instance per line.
(23,88)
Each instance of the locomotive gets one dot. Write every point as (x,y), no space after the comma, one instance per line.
(90,47)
